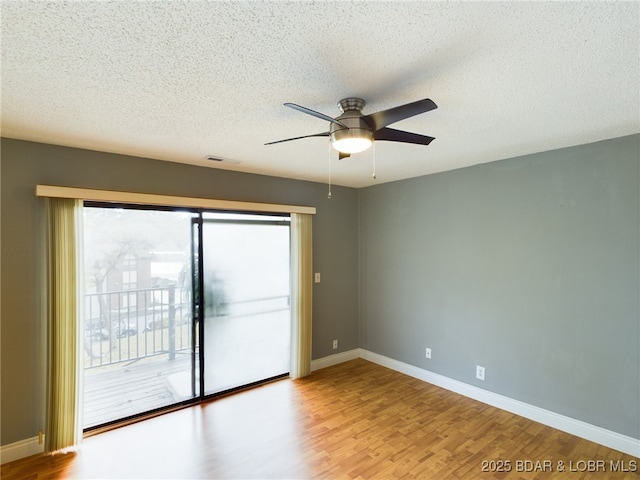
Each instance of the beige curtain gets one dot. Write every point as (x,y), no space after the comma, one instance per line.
(301,294)
(63,428)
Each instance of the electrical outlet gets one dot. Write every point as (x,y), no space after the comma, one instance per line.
(428,352)
(335,344)
(480,372)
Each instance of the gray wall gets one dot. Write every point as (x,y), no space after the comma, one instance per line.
(26,164)
(528,267)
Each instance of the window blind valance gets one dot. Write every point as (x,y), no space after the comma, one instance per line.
(165,200)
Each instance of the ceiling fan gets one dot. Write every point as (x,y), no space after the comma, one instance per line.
(353,132)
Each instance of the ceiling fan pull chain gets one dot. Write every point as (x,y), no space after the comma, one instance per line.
(330,151)
(373,157)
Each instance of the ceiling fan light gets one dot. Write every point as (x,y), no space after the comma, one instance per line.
(352,144)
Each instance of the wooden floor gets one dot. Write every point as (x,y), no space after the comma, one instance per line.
(356,420)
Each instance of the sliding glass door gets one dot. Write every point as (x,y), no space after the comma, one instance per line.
(138,336)
(247,311)
(180,305)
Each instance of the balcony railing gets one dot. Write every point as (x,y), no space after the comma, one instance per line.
(128,325)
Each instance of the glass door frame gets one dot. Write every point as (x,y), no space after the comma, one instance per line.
(194,213)
(199,319)
(197,300)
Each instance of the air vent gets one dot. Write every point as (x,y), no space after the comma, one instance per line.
(213,158)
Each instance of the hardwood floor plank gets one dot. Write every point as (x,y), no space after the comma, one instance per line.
(353,421)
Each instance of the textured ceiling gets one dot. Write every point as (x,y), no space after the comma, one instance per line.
(179,80)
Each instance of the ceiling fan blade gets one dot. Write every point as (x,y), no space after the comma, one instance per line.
(313,113)
(343,155)
(323,134)
(392,135)
(383,118)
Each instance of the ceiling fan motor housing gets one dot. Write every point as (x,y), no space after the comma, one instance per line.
(357,130)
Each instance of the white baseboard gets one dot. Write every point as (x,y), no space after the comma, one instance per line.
(21,449)
(602,436)
(336,359)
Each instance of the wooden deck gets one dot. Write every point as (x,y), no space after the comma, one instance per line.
(238,346)
(125,389)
